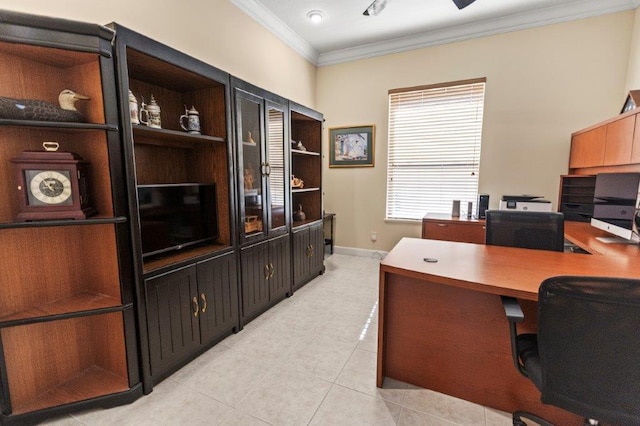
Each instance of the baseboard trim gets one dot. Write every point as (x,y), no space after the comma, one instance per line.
(352,251)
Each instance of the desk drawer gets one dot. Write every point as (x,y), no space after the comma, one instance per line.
(466,232)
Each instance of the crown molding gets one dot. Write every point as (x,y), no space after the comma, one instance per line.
(264,17)
(520,21)
(515,22)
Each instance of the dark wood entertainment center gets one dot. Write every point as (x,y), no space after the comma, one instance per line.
(87,320)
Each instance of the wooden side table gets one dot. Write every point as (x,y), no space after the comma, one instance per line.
(329,217)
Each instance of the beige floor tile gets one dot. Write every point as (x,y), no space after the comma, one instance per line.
(344,406)
(497,417)
(443,406)
(238,418)
(285,397)
(409,417)
(120,415)
(320,357)
(230,376)
(360,374)
(183,406)
(269,341)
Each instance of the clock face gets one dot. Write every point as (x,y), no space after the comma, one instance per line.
(49,187)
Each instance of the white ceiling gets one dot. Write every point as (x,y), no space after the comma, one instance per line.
(346,34)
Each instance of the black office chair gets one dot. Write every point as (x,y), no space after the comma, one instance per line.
(535,230)
(586,355)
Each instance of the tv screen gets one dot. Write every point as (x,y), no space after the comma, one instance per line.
(176,216)
(614,203)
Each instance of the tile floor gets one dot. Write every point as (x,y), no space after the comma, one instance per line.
(310,360)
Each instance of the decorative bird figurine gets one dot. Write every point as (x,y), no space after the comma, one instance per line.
(34,109)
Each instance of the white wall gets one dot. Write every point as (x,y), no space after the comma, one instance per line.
(542,85)
(214,31)
(633,73)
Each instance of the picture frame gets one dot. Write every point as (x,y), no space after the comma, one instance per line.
(352,146)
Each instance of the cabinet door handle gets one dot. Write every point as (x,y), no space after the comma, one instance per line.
(204,302)
(272,270)
(441,225)
(263,169)
(196,307)
(268,169)
(266,272)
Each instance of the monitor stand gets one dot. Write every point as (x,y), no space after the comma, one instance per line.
(615,240)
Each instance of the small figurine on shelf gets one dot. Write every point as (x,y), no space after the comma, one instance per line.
(296,182)
(35,109)
(133,108)
(249,177)
(299,215)
(152,113)
(300,147)
(193,120)
(250,140)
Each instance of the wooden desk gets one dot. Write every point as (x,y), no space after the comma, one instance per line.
(442,325)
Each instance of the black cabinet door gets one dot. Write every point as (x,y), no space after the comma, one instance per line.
(308,255)
(217,297)
(255,273)
(172,318)
(316,245)
(280,268)
(300,257)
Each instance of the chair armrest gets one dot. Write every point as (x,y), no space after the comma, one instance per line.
(514,314)
(512,309)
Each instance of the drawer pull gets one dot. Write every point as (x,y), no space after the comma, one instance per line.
(442,225)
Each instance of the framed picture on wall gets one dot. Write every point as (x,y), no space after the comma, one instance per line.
(351,146)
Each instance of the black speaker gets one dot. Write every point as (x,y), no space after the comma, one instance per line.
(483,205)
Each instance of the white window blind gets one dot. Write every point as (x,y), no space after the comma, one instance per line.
(434,144)
(276,156)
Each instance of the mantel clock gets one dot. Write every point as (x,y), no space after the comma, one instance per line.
(51,184)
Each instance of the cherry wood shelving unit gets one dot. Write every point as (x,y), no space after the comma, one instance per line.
(68,336)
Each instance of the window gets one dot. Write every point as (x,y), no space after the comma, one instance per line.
(435,135)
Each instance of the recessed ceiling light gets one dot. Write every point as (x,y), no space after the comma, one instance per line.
(315,16)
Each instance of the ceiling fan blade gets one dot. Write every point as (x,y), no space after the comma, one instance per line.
(463,3)
(376,7)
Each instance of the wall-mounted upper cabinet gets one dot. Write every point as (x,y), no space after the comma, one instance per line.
(612,143)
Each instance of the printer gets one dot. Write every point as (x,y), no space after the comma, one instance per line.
(525,203)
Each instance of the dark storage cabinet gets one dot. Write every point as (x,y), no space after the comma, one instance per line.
(308,253)
(68,336)
(306,199)
(262,137)
(191,293)
(188,310)
(266,275)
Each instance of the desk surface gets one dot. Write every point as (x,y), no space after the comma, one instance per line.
(507,270)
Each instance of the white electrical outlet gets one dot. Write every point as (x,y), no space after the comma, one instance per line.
(374,236)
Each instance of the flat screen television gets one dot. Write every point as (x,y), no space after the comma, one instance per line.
(614,204)
(176,216)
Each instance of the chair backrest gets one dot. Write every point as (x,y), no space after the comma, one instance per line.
(535,230)
(589,344)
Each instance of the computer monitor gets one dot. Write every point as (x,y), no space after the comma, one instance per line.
(615,205)
(534,230)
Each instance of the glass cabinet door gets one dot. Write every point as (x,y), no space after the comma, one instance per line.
(275,167)
(249,126)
